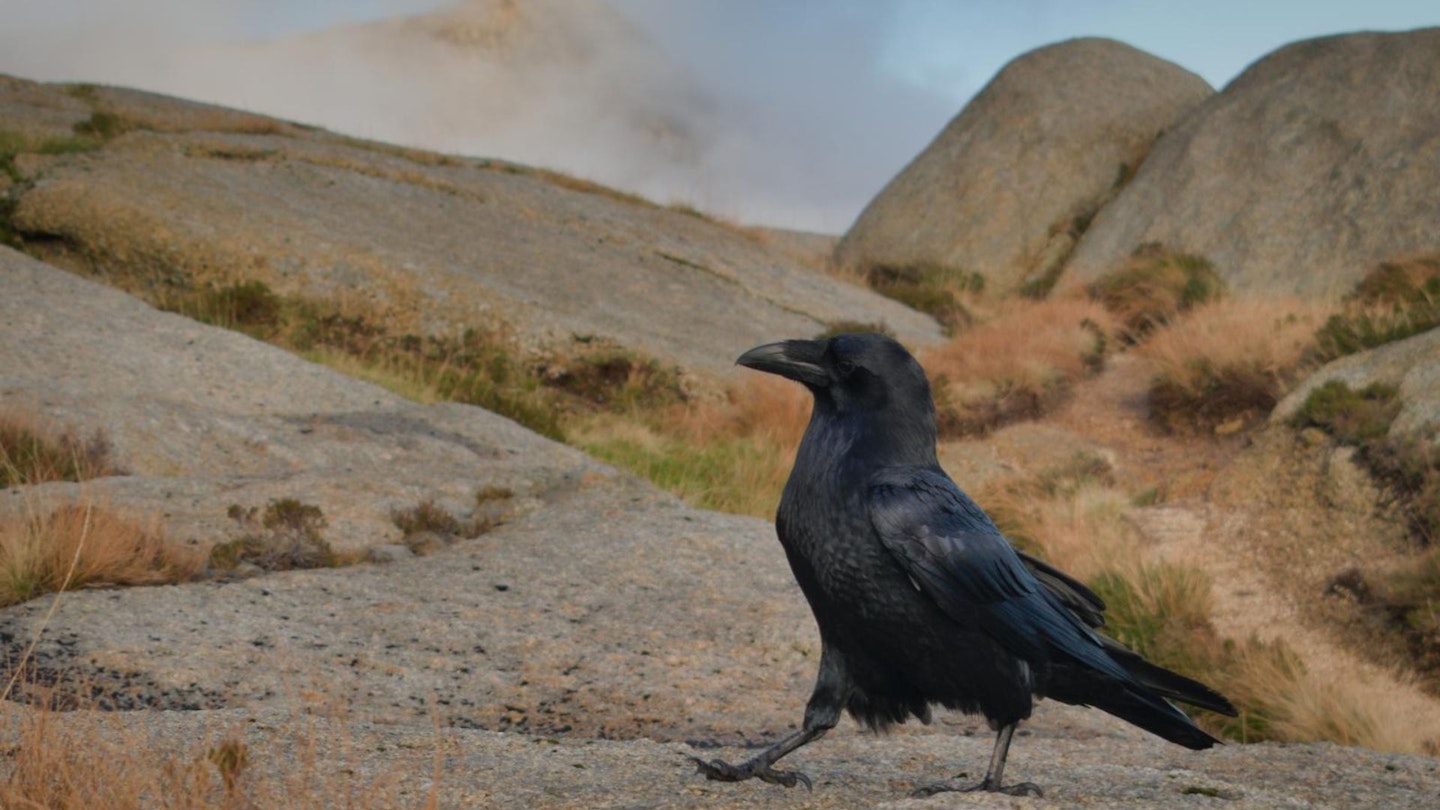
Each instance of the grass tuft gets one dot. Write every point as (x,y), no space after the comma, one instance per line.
(931,289)
(98,759)
(428,526)
(33,451)
(1155,286)
(1222,367)
(1073,517)
(478,366)
(834,328)
(285,536)
(1396,300)
(84,545)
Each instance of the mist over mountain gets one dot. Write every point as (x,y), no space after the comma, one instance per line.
(572,85)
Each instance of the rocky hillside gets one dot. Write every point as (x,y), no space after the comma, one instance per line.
(1014,179)
(1309,168)
(158,191)
(576,653)
(1312,166)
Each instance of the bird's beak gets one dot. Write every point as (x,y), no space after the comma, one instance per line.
(798,360)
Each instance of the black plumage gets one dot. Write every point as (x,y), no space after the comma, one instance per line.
(920,600)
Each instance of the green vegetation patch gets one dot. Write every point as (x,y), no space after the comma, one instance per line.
(843,327)
(717,474)
(1154,286)
(478,366)
(1394,301)
(14,144)
(928,288)
(1352,417)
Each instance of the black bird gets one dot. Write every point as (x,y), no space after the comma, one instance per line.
(920,600)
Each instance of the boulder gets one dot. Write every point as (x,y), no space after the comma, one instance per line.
(1309,168)
(1010,182)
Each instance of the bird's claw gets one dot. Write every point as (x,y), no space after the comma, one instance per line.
(1017,789)
(722,771)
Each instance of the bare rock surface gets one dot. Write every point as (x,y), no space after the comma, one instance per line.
(1314,164)
(206,418)
(1077,764)
(1010,182)
(192,194)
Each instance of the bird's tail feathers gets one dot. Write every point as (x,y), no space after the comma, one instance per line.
(1166,683)
(1155,715)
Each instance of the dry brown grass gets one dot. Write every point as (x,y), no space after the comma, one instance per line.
(85,760)
(34,450)
(1074,517)
(1230,360)
(1081,531)
(53,764)
(86,545)
(1018,363)
(1302,706)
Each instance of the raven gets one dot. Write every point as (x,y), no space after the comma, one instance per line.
(920,600)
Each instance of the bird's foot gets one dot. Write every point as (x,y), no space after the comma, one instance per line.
(987,785)
(757,768)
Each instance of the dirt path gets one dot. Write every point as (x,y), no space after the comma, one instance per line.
(1250,590)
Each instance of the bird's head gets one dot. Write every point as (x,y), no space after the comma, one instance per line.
(865,377)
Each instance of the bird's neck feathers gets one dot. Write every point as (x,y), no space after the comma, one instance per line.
(883,438)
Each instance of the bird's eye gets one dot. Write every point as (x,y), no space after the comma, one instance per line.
(845,367)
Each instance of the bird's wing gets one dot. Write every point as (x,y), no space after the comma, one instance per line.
(957,557)
(1073,594)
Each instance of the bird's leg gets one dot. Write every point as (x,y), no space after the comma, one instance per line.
(760,765)
(822,712)
(994,776)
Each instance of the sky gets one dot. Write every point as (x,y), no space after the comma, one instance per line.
(822,101)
